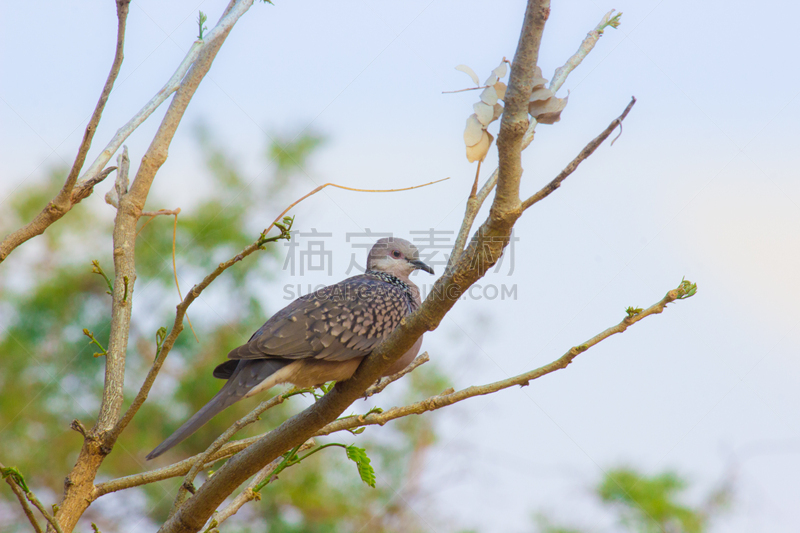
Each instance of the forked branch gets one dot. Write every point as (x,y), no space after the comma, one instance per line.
(69,195)
(588,150)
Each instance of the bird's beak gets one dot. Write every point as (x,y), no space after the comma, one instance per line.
(419,265)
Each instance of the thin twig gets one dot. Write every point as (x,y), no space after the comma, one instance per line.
(248,494)
(85,188)
(175,212)
(47,516)
(475,183)
(20,494)
(183,467)
(102,436)
(432,403)
(474,203)
(124,132)
(384,382)
(120,187)
(467,89)
(177,327)
(586,46)
(65,199)
(175,269)
(252,416)
(315,191)
(449,398)
(586,152)
(180,468)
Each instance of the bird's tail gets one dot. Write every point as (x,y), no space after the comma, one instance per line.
(247,375)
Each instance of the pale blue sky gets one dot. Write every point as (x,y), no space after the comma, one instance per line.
(702,184)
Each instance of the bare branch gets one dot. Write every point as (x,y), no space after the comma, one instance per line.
(67,196)
(209,457)
(448,398)
(430,404)
(385,382)
(474,203)
(122,15)
(316,190)
(246,420)
(177,328)
(585,153)
(120,187)
(180,468)
(483,251)
(514,122)
(170,212)
(85,188)
(248,494)
(17,482)
(560,76)
(102,437)
(47,516)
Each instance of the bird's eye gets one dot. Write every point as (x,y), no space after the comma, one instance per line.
(396,253)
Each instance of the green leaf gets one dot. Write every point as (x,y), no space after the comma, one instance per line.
(633,311)
(16,475)
(686,289)
(201,19)
(365,470)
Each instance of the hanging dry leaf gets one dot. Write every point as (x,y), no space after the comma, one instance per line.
(473,131)
(547,111)
(491,80)
(541,94)
(500,88)
(489,96)
(538,80)
(469,72)
(501,70)
(479,151)
(498,110)
(484,112)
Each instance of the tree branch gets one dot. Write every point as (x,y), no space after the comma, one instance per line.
(585,153)
(52,520)
(66,198)
(684,290)
(20,494)
(483,251)
(474,203)
(514,122)
(248,494)
(385,382)
(180,468)
(246,420)
(177,327)
(560,76)
(102,437)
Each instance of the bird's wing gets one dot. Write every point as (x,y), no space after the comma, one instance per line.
(336,323)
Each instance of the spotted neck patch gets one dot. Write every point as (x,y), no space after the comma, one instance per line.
(393,280)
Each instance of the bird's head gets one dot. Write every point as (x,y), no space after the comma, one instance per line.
(397,257)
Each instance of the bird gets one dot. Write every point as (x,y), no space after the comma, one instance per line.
(322,336)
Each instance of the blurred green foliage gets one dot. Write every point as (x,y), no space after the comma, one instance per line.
(650,504)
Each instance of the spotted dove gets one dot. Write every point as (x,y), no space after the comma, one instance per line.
(322,336)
